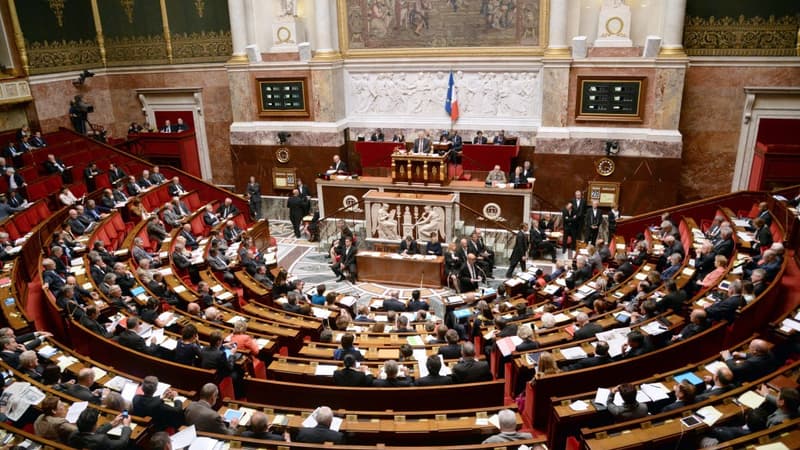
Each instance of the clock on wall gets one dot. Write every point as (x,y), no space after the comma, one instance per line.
(605,167)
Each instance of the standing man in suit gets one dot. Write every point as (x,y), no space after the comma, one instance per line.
(421,143)
(253,192)
(570,228)
(580,207)
(297,205)
(322,431)
(147,405)
(613,215)
(90,174)
(480,138)
(338,165)
(469,369)
(471,274)
(204,417)
(115,174)
(306,194)
(520,251)
(593,220)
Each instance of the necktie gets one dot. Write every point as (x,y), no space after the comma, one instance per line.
(419,147)
(472,271)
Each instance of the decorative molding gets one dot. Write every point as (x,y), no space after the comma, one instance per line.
(136,49)
(14,91)
(57,6)
(202,46)
(48,57)
(742,36)
(744,61)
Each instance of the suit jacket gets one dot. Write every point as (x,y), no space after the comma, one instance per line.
(471,371)
(175,189)
(450,351)
(411,249)
(393,382)
(319,435)
(99,439)
(520,246)
(594,217)
(725,309)
(144,183)
(133,188)
(157,178)
(351,378)
(580,209)
(763,238)
(94,326)
(589,362)
(81,392)
(588,331)
(205,418)
(349,257)
(434,380)
(297,205)
(752,367)
(132,340)
(391,304)
(210,219)
(162,414)
(724,247)
(424,143)
(53,280)
(171,218)
(57,167)
(254,189)
(226,212)
(627,412)
(570,220)
(339,167)
(53,428)
(116,174)
(480,140)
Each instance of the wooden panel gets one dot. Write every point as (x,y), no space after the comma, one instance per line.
(403,271)
(511,209)
(259,160)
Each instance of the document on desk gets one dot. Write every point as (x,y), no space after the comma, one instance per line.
(579,405)
(311,422)
(653,328)
(508,344)
(751,399)
(325,370)
(183,438)
(573,353)
(641,397)
(75,410)
(117,383)
(601,398)
(709,414)
(117,430)
(713,367)
(656,391)
(348,300)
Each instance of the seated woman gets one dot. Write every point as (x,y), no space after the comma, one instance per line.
(720,267)
(188,350)
(242,339)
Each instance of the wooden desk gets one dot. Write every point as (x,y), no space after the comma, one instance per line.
(407,271)
(425,168)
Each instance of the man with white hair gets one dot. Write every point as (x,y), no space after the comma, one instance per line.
(584,329)
(322,432)
(508,429)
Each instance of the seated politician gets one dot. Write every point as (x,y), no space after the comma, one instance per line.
(433,247)
(408,246)
(495,176)
(350,375)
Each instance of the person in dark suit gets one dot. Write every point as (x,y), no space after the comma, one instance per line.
(416,303)
(393,379)
(674,299)
(133,187)
(600,357)
(469,369)
(204,417)
(433,247)
(147,405)
(253,191)
(350,375)
(757,362)
(90,174)
(584,328)
(259,429)
(347,349)
(338,165)
(581,274)
(636,345)
(763,214)
(346,267)
(720,383)
(421,144)
(527,170)
(580,206)
(520,251)
(725,246)
(175,187)
(408,246)
(130,338)
(571,227)
(82,387)
(115,174)
(434,366)
(539,244)
(51,278)
(726,309)
(763,235)
(322,432)
(227,209)
(516,177)
(594,218)
(90,436)
(471,275)
(297,204)
(89,321)
(452,350)
(180,126)
(393,303)
(377,136)
(480,138)
(191,240)
(54,165)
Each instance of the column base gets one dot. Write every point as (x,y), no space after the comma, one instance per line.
(326,55)
(672,52)
(562,52)
(238,59)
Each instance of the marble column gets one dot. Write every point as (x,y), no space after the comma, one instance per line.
(236,13)
(557,38)
(323,12)
(674,16)
(250,21)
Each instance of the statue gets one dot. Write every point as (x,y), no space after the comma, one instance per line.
(430,223)
(387,224)
(289,8)
(614,25)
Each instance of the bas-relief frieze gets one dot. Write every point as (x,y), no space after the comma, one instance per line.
(422,94)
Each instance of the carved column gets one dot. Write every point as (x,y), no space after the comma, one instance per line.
(250,20)
(236,12)
(324,10)
(674,16)
(557,36)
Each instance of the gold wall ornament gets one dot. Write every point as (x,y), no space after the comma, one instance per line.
(741,36)
(62,56)
(614,27)
(165,27)
(57,6)
(19,39)
(98,25)
(127,6)
(200,7)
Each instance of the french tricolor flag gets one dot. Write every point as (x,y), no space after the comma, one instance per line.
(451,104)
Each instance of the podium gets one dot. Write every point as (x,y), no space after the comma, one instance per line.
(419,168)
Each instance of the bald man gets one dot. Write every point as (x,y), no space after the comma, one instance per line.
(750,365)
(322,431)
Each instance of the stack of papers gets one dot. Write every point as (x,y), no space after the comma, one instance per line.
(709,414)
(573,353)
(325,370)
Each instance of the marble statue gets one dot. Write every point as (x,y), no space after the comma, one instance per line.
(431,223)
(289,8)
(386,223)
